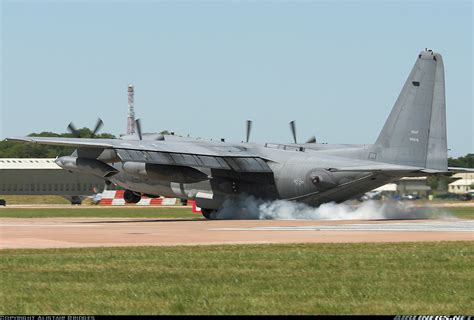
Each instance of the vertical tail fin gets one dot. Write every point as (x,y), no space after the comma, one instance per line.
(415,132)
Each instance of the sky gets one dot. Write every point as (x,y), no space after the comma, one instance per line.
(204,67)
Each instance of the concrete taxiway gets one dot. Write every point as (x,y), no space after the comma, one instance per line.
(38,233)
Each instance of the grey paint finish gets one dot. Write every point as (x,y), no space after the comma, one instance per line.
(437,144)
(412,142)
(415,132)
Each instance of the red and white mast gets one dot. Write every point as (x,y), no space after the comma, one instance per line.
(131,112)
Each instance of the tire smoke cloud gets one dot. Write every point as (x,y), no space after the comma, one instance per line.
(248,207)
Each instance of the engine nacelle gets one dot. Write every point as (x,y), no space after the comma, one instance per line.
(86,165)
(164,172)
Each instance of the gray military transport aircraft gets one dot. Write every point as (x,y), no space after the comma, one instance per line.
(411,143)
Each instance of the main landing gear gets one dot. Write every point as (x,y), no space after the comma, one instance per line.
(131,196)
(208,213)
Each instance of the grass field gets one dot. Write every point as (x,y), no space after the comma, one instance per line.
(98,212)
(461,212)
(24,199)
(405,278)
(145,212)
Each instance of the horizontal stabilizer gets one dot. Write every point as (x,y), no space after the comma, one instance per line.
(460,170)
(377,168)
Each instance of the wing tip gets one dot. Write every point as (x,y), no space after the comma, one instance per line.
(18,139)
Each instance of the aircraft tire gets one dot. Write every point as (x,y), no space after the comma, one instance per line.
(207,213)
(76,200)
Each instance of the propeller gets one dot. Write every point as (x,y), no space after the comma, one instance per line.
(72,128)
(139,129)
(249,127)
(98,126)
(293,130)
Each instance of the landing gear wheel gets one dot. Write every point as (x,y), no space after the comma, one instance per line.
(76,200)
(208,213)
(131,197)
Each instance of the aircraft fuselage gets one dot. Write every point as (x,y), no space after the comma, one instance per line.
(298,173)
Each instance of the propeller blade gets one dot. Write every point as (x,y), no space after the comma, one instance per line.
(98,125)
(139,129)
(72,129)
(293,130)
(249,127)
(311,140)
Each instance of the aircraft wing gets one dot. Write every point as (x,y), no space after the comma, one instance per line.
(190,147)
(67,142)
(216,155)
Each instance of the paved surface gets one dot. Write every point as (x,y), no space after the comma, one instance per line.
(439,204)
(97,232)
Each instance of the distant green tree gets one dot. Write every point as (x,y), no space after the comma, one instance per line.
(464,162)
(438,183)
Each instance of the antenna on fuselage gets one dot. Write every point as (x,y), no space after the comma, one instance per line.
(139,129)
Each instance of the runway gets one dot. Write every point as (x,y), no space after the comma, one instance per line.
(38,233)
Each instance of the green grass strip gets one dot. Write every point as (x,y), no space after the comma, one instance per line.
(404,278)
(94,212)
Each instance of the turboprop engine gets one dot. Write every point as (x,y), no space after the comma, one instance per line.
(161,172)
(87,165)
